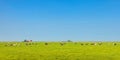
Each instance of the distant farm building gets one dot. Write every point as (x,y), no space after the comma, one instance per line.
(27,40)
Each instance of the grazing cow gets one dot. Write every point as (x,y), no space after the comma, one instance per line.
(100,43)
(61,44)
(6,44)
(114,44)
(82,44)
(27,44)
(12,44)
(46,43)
(93,44)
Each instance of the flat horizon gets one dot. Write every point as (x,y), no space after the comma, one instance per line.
(54,20)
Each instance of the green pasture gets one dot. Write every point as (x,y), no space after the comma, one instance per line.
(56,51)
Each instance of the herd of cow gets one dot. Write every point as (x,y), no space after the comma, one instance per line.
(29,42)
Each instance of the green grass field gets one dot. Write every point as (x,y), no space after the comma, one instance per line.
(56,51)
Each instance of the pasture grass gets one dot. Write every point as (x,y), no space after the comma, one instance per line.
(55,51)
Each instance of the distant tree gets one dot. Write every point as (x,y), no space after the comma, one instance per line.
(25,40)
(69,41)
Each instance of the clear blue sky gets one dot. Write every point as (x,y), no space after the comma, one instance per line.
(60,20)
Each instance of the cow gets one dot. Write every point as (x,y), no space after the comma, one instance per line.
(15,44)
(46,43)
(82,44)
(93,44)
(114,44)
(100,43)
(62,43)
(12,44)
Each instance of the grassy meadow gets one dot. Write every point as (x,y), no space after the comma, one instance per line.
(59,51)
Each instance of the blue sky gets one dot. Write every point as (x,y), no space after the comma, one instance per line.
(60,20)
